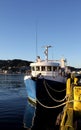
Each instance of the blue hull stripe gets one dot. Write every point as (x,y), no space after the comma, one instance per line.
(31,88)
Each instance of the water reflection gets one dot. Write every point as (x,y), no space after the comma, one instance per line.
(15,111)
(29,115)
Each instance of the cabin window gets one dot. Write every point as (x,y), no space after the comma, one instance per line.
(37,68)
(49,68)
(33,68)
(54,68)
(42,68)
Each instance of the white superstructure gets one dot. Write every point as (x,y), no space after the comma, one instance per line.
(51,69)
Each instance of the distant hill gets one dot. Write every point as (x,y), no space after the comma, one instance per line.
(74,69)
(14,63)
(19,65)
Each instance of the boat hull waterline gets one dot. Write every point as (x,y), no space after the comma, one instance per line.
(48,93)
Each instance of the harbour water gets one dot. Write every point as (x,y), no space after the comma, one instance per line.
(13,102)
(15,111)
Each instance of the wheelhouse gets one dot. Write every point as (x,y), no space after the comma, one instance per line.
(44,68)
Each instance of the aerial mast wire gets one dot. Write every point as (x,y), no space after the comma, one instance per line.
(36,42)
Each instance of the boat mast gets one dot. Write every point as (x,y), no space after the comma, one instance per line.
(46,52)
(36,42)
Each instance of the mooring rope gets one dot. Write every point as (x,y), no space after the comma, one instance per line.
(53,88)
(56,100)
(51,107)
(60,105)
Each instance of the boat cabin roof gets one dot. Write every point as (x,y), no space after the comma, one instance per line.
(45,63)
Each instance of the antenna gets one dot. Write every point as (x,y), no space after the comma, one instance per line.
(36,42)
(46,51)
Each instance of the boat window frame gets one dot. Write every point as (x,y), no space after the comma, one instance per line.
(37,68)
(33,68)
(49,68)
(55,68)
(43,68)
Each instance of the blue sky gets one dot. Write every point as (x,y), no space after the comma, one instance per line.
(56,23)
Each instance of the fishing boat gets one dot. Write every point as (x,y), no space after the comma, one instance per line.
(46,90)
(47,80)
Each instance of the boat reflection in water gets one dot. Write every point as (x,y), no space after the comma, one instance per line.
(29,116)
(31,104)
